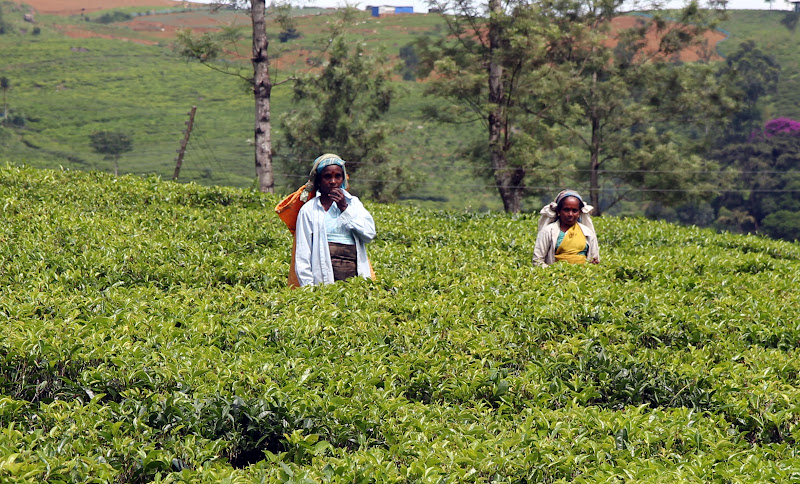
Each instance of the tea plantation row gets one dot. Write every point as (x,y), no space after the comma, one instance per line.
(149,337)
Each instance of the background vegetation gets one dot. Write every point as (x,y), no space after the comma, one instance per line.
(72,76)
(146,90)
(150,336)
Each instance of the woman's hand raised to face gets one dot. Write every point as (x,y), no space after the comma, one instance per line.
(337,195)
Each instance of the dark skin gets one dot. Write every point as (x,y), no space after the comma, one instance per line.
(568,215)
(329,183)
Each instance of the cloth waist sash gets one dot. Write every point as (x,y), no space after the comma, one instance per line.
(343,261)
(571,247)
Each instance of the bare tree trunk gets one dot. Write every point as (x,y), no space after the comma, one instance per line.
(509,179)
(594,153)
(262,89)
(594,162)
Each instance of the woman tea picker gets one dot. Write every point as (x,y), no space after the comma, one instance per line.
(332,228)
(566,232)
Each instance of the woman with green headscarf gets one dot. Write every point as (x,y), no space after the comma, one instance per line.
(333,228)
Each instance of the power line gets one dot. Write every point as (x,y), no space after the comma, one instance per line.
(204,150)
(547,188)
(209,149)
(577,170)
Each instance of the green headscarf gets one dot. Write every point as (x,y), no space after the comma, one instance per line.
(320,163)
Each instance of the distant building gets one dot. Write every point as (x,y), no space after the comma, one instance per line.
(377,11)
(796,6)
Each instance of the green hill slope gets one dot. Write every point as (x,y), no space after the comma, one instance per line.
(149,336)
(64,87)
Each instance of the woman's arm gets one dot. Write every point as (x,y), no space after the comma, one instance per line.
(358,220)
(541,248)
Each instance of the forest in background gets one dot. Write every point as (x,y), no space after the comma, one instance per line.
(118,71)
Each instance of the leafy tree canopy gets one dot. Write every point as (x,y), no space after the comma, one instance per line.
(340,110)
(781,125)
(110,143)
(545,75)
(752,75)
(763,176)
(782,224)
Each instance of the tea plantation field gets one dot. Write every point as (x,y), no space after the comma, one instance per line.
(148,336)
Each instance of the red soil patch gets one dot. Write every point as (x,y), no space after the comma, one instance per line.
(707,50)
(76,7)
(78,33)
(156,28)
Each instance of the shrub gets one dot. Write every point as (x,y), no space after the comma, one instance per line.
(781,125)
(112,17)
(149,336)
(288,34)
(782,224)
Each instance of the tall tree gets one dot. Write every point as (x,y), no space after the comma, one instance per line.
(509,179)
(632,86)
(492,58)
(765,174)
(753,75)
(207,48)
(340,109)
(262,91)
(524,69)
(111,144)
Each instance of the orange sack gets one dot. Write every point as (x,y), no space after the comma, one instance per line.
(287,210)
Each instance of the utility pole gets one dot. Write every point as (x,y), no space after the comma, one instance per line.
(184,143)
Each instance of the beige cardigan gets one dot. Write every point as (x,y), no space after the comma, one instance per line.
(544,252)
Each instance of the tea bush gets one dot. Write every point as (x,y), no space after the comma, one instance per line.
(149,336)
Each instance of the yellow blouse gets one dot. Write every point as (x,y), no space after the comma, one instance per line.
(571,247)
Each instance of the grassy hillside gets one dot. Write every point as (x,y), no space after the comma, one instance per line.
(149,336)
(66,86)
(76,76)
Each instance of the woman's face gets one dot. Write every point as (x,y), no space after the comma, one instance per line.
(331,177)
(570,211)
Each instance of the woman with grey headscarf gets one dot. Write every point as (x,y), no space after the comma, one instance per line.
(566,232)
(332,228)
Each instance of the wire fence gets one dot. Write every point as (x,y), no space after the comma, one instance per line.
(211,159)
(208,163)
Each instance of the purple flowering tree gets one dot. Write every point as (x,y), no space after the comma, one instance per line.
(781,125)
